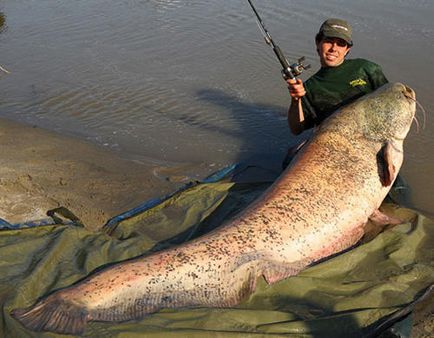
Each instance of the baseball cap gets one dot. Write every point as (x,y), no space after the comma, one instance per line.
(337,28)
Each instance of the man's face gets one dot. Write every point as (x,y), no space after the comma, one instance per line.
(332,51)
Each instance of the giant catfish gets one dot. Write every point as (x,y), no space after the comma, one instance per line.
(317,207)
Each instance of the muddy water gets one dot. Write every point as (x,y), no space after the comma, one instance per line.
(192,81)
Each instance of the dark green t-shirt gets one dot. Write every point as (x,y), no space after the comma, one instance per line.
(333,87)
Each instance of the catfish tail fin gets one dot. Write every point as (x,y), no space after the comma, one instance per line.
(55,315)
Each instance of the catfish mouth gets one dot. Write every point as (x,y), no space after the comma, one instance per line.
(411,96)
(399,123)
(409,93)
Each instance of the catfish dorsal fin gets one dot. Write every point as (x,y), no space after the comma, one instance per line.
(386,166)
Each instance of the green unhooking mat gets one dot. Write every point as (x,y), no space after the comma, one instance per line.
(354,294)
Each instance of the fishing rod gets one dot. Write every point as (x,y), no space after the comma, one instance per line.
(289,71)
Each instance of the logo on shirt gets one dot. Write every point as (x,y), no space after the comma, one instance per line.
(358,82)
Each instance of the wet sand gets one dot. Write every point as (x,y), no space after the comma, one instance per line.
(41,170)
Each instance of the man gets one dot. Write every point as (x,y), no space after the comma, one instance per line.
(337,83)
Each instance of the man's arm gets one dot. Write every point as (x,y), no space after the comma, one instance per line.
(296,118)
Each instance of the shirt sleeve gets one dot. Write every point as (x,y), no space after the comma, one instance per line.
(377,77)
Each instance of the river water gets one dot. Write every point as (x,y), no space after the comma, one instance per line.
(193,81)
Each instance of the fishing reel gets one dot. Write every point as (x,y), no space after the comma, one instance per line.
(298,67)
(288,71)
(295,69)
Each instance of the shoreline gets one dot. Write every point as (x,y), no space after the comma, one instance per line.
(42,170)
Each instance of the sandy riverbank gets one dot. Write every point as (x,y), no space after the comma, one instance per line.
(41,170)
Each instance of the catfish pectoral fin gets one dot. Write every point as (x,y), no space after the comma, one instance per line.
(388,168)
(54,315)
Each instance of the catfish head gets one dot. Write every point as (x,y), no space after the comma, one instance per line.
(389,113)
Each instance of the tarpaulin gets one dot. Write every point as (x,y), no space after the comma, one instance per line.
(354,294)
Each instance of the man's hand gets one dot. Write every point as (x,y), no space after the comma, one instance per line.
(296,88)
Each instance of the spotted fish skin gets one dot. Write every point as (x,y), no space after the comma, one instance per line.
(316,208)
